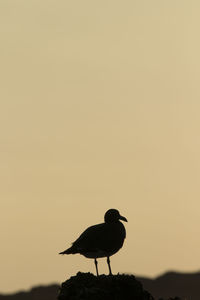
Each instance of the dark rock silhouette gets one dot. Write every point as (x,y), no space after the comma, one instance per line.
(86,286)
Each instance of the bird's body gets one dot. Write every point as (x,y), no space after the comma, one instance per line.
(101,240)
(102,244)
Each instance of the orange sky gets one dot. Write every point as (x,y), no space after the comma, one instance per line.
(99,109)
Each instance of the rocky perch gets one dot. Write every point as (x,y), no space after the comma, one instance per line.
(86,286)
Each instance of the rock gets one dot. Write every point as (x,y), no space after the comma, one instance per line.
(86,286)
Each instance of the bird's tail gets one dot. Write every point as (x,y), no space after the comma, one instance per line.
(70,250)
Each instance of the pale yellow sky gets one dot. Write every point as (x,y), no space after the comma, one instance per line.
(100,108)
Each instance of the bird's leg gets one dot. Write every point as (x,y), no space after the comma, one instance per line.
(96,263)
(108,262)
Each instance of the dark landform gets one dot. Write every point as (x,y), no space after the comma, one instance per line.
(86,286)
(37,293)
(169,286)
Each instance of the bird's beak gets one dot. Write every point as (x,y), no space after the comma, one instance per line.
(123,218)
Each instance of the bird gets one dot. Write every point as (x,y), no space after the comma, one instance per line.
(101,240)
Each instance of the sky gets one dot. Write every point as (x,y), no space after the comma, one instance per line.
(99,109)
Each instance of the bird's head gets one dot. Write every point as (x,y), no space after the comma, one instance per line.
(113,215)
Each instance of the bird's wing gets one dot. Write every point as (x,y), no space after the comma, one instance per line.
(98,236)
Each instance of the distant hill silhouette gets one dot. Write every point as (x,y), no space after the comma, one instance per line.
(37,293)
(171,284)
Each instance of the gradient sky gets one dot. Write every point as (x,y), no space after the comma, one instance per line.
(99,109)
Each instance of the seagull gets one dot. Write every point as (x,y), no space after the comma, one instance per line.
(101,240)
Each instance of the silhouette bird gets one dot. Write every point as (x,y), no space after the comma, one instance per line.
(101,240)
